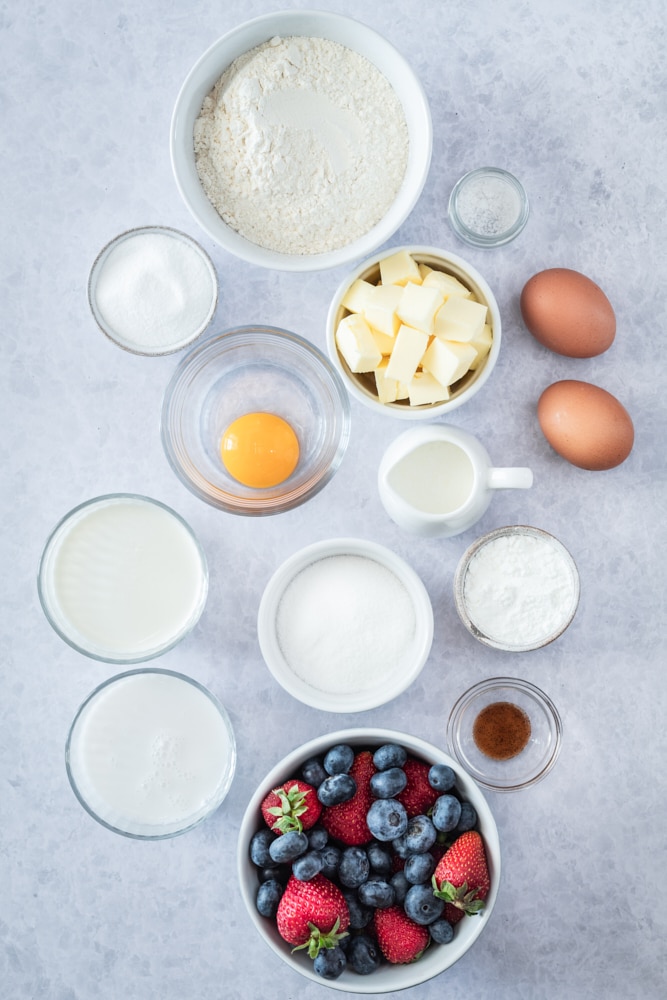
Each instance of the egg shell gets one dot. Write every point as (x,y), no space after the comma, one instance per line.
(568,313)
(585,424)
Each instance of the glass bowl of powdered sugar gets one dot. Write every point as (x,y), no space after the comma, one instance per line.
(301,140)
(516,588)
(345,625)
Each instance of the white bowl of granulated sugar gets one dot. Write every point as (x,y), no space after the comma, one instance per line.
(301,140)
(345,625)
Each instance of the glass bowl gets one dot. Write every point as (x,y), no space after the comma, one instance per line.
(143,286)
(285,24)
(249,370)
(331,623)
(436,958)
(488,207)
(122,578)
(150,754)
(526,714)
(517,607)
(362,385)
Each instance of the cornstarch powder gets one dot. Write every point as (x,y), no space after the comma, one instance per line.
(345,623)
(302,145)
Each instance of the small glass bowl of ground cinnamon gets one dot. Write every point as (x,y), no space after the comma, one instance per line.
(505,732)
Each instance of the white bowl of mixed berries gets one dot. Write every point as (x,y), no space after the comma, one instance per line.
(368,861)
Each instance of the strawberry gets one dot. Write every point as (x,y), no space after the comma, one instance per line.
(400,939)
(462,875)
(292,806)
(417,796)
(347,820)
(312,914)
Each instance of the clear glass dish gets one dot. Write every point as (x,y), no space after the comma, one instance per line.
(488,207)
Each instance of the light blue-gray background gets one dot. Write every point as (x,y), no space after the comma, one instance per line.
(569,95)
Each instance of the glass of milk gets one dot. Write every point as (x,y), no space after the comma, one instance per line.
(123,578)
(150,754)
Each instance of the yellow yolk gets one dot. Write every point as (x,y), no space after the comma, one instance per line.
(260,450)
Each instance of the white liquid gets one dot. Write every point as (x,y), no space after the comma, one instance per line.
(150,754)
(435,478)
(123,578)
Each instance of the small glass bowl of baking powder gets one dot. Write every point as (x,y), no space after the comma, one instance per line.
(516,588)
(506,733)
(488,207)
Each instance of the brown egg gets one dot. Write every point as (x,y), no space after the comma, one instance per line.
(568,313)
(585,424)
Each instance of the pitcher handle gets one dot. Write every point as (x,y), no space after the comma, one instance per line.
(510,479)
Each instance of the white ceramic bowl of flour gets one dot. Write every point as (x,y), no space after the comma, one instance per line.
(329,123)
(345,625)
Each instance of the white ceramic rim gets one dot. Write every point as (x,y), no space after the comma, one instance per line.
(430,411)
(271,598)
(54,619)
(314,23)
(109,331)
(225,783)
(392,977)
(459,586)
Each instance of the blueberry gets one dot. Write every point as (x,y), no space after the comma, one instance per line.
(387,784)
(278,872)
(288,846)
(313,772)
(354,867)
(268,897)
(259,847)
(441,931)
(336,788)
(401,885)
(317,838)
(330,962)
(420,835)
(421,905)
(307,866)
(419,868)
(387,819)
(378,893)
(446,812)
(339,759)
(468,818)
(380,859)
(330,860)
(363,955)
(389,755)
(360,915)
(441,777)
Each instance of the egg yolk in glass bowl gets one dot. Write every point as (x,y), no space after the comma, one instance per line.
(260,450)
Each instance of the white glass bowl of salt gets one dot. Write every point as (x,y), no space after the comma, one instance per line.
(345,625)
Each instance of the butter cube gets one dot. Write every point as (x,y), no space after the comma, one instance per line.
(402,391)
(355,342)
(448,361)
(448,284)
(482,345)
(380,308)
(357,295)
(407,353)
(384,343)
(460,319)
(424,388)
(399,269)
(387,388)
(418,305)
(424,269)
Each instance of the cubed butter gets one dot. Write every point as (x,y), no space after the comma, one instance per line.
(424,269)
(460,319)
(407,353)
(448,284)
(399,269)
(424,388)
(418,305)
(448,361)
(357,295)
(380,308)
(482,345)
(385,344)
(355,342)
(387,388)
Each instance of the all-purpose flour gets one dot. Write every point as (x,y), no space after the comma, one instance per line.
(302,145)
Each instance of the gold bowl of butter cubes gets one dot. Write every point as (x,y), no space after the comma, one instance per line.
(414,332)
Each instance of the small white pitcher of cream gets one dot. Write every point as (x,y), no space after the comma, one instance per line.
(437,480)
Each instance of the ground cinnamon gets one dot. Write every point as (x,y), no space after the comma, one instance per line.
(501,730)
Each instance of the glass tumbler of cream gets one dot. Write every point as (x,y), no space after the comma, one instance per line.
(437,480)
